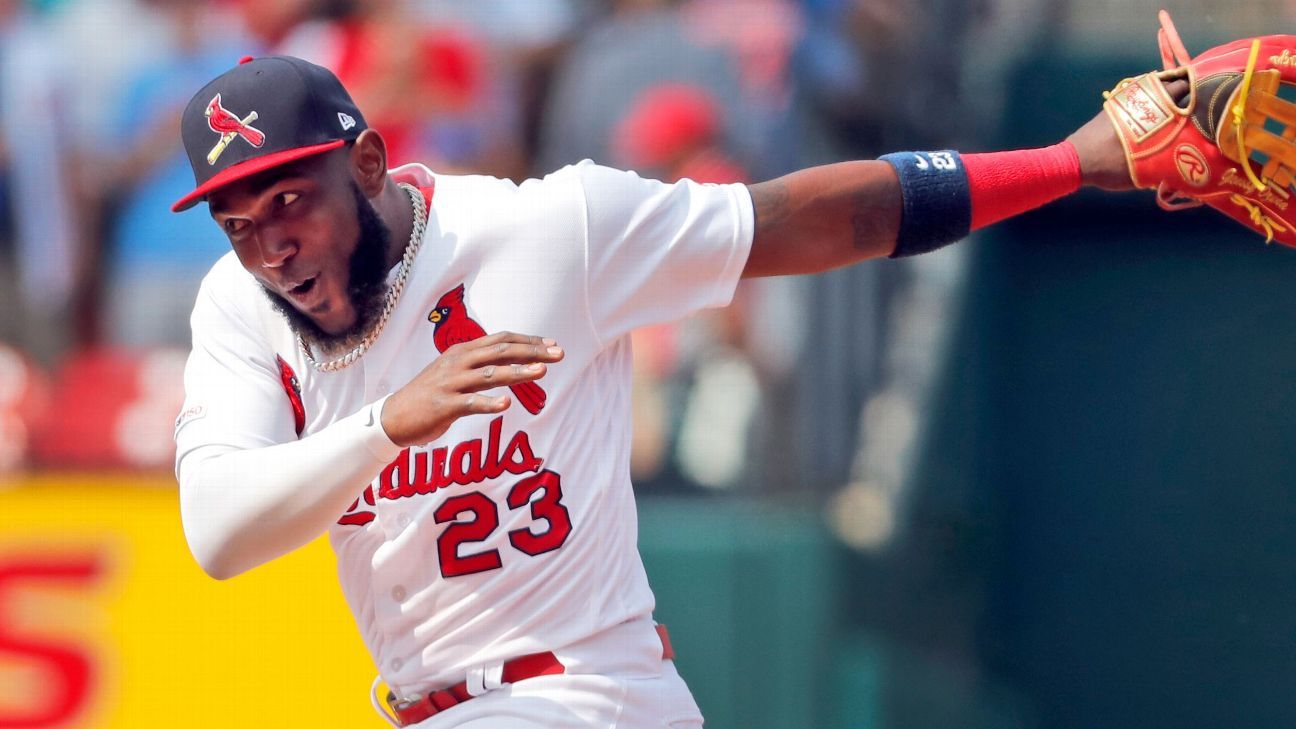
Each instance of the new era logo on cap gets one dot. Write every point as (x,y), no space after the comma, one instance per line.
(299,109)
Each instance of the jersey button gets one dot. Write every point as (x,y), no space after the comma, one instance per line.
(384,386)
(396,664)
(403,520)
(398,594)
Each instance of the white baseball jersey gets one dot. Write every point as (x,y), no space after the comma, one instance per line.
(513,533)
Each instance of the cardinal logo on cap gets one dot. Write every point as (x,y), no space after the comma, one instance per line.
(228,126)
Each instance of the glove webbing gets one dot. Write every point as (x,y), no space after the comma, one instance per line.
(1265,104)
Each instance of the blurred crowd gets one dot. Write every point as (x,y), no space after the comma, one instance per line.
(800,385)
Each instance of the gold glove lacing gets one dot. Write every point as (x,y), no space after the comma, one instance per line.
(1239,116)
(1258,216)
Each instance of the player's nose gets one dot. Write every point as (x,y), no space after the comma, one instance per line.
(276,246)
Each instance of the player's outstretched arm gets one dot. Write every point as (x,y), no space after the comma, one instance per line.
(242,508)
(831,216)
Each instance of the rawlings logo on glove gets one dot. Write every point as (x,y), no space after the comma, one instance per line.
(1230,143)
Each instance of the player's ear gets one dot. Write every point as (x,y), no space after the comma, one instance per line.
(369,162)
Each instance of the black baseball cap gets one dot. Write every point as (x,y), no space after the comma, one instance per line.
(260,114)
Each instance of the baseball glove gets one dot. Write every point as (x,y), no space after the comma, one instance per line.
(1230,143)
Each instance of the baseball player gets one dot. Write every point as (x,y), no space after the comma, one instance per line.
(435,369)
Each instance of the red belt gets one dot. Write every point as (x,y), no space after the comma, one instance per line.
(412,711)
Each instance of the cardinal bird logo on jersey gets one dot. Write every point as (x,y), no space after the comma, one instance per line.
(453,326)
(227,124)
(292,388)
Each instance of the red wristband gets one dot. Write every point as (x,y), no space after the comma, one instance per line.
(1004,184)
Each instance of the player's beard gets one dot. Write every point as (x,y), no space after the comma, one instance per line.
(366,285)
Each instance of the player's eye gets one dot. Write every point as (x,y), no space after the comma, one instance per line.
(234,225)
(287,198)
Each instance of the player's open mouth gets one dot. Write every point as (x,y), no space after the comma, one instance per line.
(303,289)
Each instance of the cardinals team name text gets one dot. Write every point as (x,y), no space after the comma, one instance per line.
(465,464)
(417,472)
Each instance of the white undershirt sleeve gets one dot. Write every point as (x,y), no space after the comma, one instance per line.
(250,490)
(242,508)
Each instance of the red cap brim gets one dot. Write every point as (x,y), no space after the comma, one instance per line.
(251,167)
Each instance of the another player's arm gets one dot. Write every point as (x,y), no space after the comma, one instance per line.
(831,216)
(244,507)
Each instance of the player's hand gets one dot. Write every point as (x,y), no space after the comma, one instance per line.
(1102,159)
(452,386)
